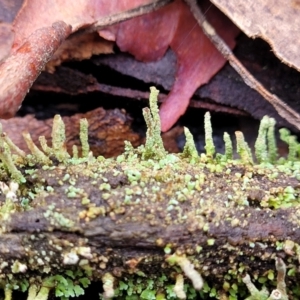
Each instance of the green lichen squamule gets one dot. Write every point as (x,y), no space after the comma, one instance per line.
(181,275)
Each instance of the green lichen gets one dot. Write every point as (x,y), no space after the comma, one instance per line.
(57,218)
(292,143)
(149,186)
(228,146)
(72,284)
(58,149)
(188,269)
(243,148)
(209,142)
(84,138)
(154,147)
(6,157)
(279,293)
(36,153)
(261,150)
(190,150)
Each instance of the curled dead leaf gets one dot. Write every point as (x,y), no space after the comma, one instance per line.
(22,67)
(276,22)
(171,26)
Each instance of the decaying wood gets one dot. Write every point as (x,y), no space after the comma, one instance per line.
(148,213)
(107,131)
(95,212)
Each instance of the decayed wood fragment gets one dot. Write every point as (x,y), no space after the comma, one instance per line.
(107,132)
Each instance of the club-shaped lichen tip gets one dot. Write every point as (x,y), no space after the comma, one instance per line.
(189,150)
(209,142)
(228,146)
(84,137)
(154,147)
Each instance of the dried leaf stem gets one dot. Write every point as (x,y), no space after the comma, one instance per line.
(129,14)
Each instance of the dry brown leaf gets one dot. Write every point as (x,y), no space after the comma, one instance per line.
(276,22)
(197,58)
(38,35)
(146,37)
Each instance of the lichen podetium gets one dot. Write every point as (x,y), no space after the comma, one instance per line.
(150,224)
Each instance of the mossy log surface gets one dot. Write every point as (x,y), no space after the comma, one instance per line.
(121,220)
(151,214)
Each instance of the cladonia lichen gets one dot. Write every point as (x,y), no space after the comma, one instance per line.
(278,294)
(151,224)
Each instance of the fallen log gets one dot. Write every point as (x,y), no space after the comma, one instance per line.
(150,224)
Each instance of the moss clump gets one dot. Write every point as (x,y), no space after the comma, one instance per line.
(150,224)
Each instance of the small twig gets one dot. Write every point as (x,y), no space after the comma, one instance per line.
(282,108)
(129,14)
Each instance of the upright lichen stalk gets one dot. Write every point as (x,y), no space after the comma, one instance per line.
(6,157)
(84,137)
(228,146)
(272,147)
(243,148)
(190,150)
(154,146)
(59,139)
(291,140)
(38,155)
(209,143)
(265,145)
(261,150)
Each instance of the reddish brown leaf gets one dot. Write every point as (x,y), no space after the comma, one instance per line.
(197,59)
(21,68)
(37,37)
(6,40)
(79,14)
(146,37)
(8,11)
